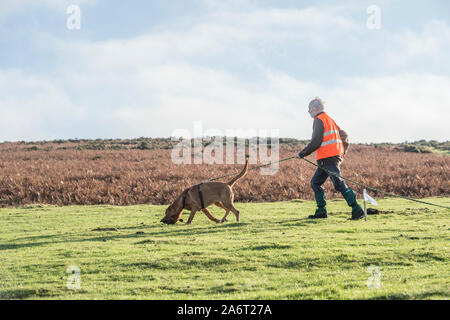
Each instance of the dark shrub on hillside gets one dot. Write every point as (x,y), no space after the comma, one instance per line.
(144,145)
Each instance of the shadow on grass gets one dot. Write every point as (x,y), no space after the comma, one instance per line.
(268,247)
(298,263)
(222,289)
(299,222)
(185,231)
(24,293)
(147,265)
(41,237)
(183,263)
(406,296)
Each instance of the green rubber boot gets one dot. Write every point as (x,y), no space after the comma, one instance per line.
(350,197)
(321,211)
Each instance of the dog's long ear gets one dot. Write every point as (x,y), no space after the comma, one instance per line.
(176,203)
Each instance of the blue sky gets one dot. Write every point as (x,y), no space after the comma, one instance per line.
(148,68)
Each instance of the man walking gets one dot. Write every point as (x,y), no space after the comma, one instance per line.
(331,144)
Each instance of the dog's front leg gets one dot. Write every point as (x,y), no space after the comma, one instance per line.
(191,216)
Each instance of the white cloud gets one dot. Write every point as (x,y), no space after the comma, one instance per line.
(214,34)
(432,43)
(396,108)
(31,105)
(393,108)
(10,7)
(153,84)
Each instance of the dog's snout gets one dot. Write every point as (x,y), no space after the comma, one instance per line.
(167,220)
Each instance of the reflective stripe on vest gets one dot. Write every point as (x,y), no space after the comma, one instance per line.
(331,142)
(330,132)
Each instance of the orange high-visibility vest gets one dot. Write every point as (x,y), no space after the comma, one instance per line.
(331,144)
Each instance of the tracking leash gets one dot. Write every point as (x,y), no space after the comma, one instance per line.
(254,168)
(339,176)
(374,189)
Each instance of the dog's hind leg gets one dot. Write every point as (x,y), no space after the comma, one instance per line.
(236,212)
(227,211)
(226,215)
(229,206)
(220,205)
(210,216)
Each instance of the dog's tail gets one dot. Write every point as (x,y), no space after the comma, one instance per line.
(240,175)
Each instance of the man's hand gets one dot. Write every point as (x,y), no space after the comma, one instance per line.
(301,155)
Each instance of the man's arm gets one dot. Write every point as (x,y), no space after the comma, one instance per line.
(316,140)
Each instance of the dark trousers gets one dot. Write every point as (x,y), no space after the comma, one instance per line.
(320,176)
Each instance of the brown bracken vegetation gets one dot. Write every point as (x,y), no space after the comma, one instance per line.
(124,172)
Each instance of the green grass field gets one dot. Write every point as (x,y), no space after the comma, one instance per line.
(273,253)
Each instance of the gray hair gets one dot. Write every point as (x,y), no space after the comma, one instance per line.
(317,105)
